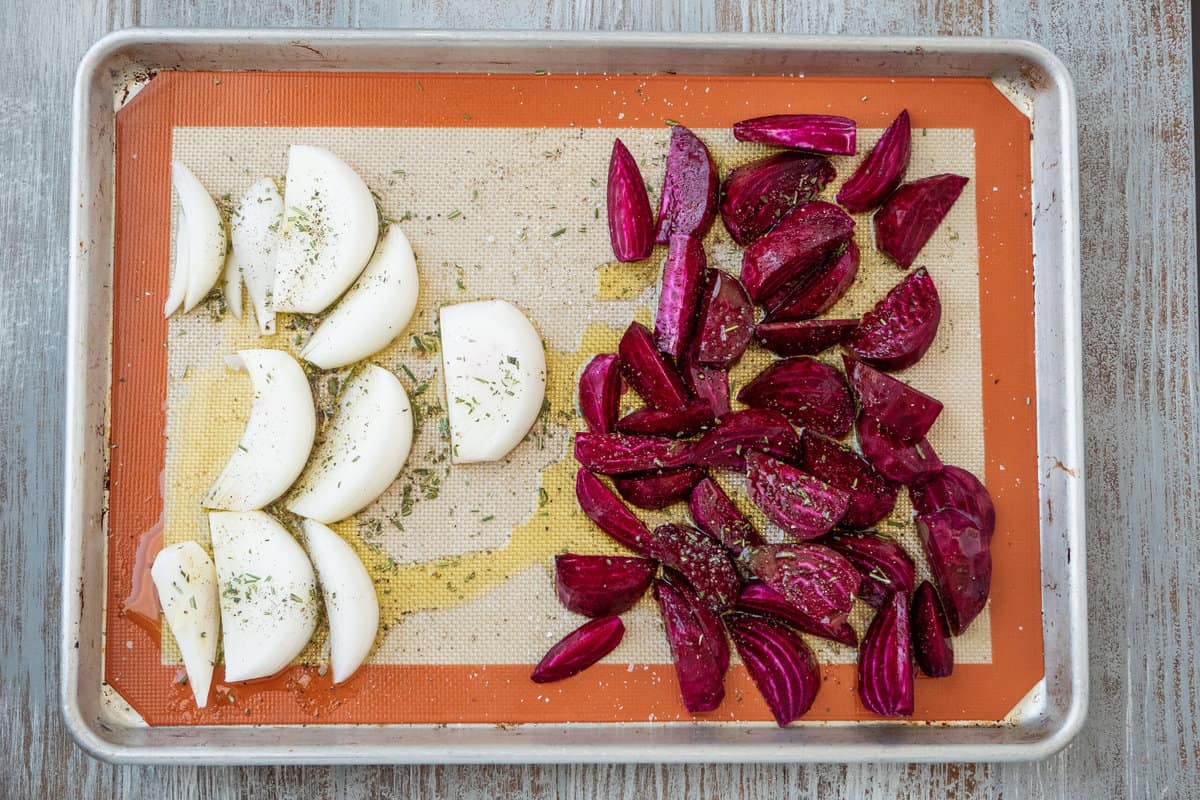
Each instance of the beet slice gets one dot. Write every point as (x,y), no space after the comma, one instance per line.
(630,223)
(759,194)
(580,649)
(726,321)
(885,673)
(780,664)
(897,461)
(912,213)
(682,280)
(610,514)
(798,246)
(701,559)
(701,679)
(597,586)
(655,490)
(960,559)
(694,417)
(902,411)
(817,580)
(881,171)
(819,291)
(802,505)
(931,645)
(739,432)
(885,566)
(803,337)
(645,369)
(872,496)
(760,598)
(819,133)
(615,453)
(600,393)
(898,331)
(809,393)
(689,196)
(709,384)
(714,513)
(714,630)
(955,488)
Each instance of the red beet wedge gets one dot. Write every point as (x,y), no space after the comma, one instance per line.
(645,369)
(803,337)
(580,649)
(912,213)
(630,223)
(682,280)
(898,331)
(600,393)
(897,461)
(615,453)
(702,560)
(759,194)
(956,489)
(804,506)
(780,664)
(689,196)
(819,291)
(931,644)
(797,248)
(885,672)
(819,133)
(740,432)
(960,559)
(701,678)
(597,586)
(902,411)
(659,489)
(714,513)
(714,630)
(881,171)
(872,496)
(610,514)
(884,565)
(760,598)
(818,581)
(809,393)
(694,417)
(709,384)
(726,321)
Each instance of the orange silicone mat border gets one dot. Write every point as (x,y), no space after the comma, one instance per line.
(606,693)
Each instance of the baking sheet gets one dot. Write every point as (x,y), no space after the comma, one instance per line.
(1048,714)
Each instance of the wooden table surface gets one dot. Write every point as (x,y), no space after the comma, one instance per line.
(1131,64)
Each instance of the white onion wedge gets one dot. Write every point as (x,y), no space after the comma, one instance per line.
(329,231)
(199,243)
(364,449)
(254,238)
(269,603)
(186,581)
(495,369)
(278,437)
(373,312)
(350,601)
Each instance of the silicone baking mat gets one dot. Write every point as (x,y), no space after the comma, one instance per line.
(499,182)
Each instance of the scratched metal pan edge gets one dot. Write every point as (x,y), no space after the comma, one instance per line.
(1032,76)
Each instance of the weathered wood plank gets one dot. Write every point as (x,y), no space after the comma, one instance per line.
(1131,62)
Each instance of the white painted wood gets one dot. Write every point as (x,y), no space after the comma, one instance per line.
(1131,63)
